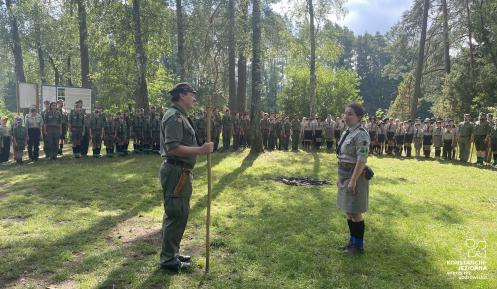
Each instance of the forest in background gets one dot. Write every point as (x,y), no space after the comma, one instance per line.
(440,59)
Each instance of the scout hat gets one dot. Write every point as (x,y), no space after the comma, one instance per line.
(182,88)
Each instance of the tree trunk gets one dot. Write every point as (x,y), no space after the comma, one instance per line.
(312,91)
(446,37)
(55,69)
(16,44)
(39,49)
(419,67)
(232,102)
(69,71)
(241,93)
(83,45)
(181,40)
(486,43)
(470,40)
(141,60)
(256,78)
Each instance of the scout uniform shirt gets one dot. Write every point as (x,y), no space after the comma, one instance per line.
(176,130)
(465,129)
(437,136)
(354,145)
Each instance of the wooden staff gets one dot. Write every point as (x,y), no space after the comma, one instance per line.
(209,183)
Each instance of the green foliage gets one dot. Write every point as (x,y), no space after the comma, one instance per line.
(334,90)
(401,106)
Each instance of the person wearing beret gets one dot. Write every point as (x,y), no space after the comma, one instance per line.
(179,147)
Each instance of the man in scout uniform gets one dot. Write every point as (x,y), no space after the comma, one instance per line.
(109,135)
(265,130)
(147,135)
(237,124)
(97,124)
(295,133)
(65,120)
(427,137)
(77,129)
(155,127)
(493,143)
(216,128)
(287,128)
(46,109)
(34,124)
(245,130)
(481,133)
(227,122)
(121,134)
(128,120)
(138,131)
(418,138)
(52,129)
(278,128)
(202,127)
(85,140)
(179,147)
(19,140)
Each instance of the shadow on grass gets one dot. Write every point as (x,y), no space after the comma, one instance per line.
(225,181)
(296,248)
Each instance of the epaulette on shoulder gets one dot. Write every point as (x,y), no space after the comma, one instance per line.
(363,129)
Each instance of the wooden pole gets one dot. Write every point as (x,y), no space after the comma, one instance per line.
(209,185)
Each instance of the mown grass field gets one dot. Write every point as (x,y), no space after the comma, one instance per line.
(95,223)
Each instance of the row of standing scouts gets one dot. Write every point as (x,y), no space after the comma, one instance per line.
(388,136)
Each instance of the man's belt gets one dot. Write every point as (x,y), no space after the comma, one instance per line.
(179,164)
(346,165)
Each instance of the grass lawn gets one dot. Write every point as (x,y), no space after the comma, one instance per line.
(95,223)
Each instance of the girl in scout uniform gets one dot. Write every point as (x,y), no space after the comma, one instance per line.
(307,132)
(427,138)
(381,138)
(318,133)
(418,139)
(391,128)
(437,139)
(399,137)
(19,140)
(408,138)
(353,187)
(373,134)
(447,139)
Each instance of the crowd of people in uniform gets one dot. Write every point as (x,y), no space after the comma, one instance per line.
(388,136)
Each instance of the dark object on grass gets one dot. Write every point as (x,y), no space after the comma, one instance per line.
(302,181)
